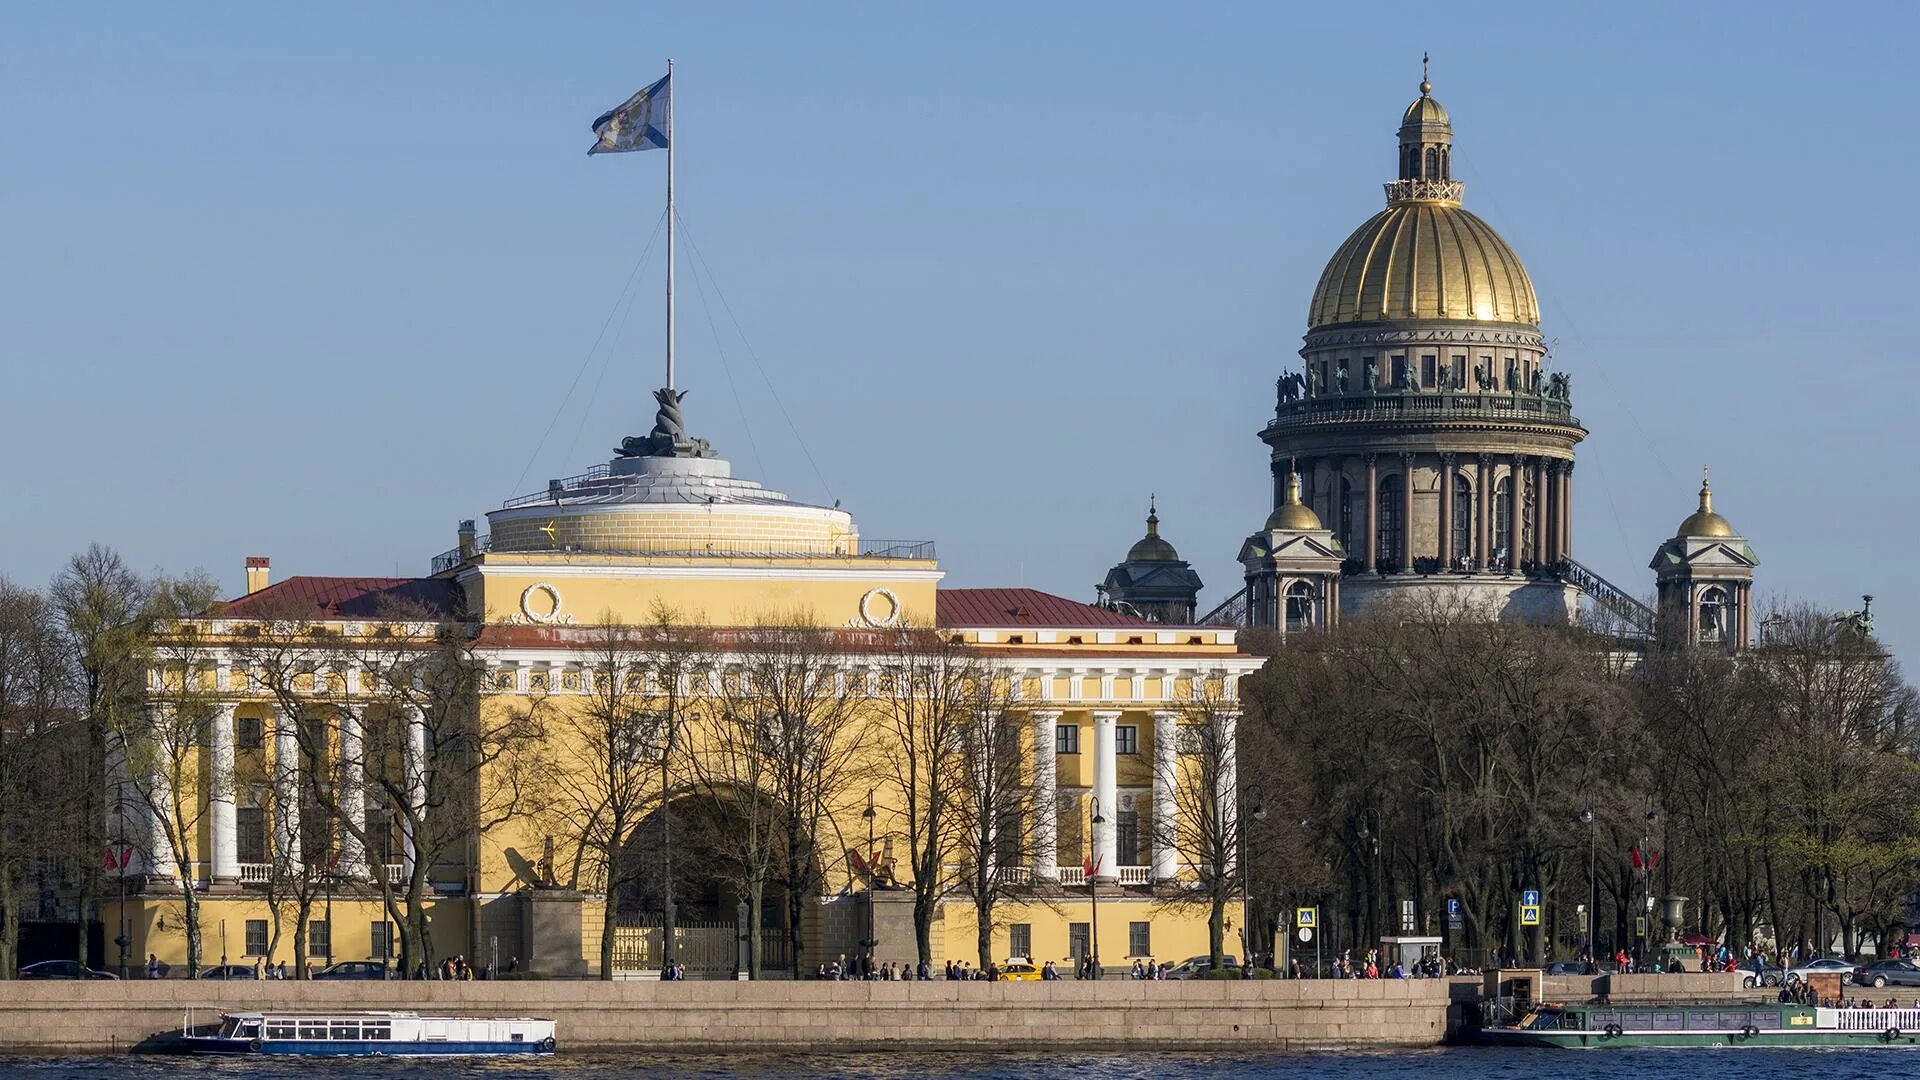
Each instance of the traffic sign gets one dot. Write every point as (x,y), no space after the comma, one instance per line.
(1453,906)
(1306,933)
(1530,898)
(1304,917)
(1529,914)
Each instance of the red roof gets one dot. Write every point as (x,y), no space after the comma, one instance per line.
(346,598)
(1022,607)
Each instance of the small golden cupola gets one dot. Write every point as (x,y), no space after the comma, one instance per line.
(1705,521)
(1293,515)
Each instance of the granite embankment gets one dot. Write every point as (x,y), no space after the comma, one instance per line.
(94,1017)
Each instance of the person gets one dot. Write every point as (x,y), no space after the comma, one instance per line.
(153,966)
(283,970)
(820,972)
(1138,973)
(1047,974)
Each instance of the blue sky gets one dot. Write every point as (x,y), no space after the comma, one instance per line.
(311,282)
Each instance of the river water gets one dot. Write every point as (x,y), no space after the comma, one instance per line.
(1450,1064)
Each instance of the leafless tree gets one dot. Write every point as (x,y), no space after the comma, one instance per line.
(1207,825)
(993,802)
(39,787)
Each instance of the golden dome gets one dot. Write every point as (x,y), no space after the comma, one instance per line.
(1425,110)
(1424,259)
(1704,522)
(1293,515)
(1151,548)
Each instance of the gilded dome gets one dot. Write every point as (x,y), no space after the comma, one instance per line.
(1293,515)
(1151,547)
(1425,110)
(1704,521)
(1424,259)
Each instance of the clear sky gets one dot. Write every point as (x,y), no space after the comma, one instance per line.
(312,281)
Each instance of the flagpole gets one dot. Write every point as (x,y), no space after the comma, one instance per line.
(672,92)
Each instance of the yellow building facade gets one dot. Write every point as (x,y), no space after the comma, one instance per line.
(307,727)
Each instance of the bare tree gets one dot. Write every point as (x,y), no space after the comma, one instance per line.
(40,786)
(993,799)
(103,608)
(927,701)
(1206,824)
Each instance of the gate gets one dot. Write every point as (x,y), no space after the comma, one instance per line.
(704,948)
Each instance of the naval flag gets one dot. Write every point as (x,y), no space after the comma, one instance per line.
(640,124)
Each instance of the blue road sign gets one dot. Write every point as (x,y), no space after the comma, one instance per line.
(1453,905)
(1530,898)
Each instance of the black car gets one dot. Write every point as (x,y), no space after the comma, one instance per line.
(1887,973)
(229,971)
(63,969)
(353,969)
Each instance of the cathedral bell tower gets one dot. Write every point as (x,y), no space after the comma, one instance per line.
(1293,568)
(1705,581)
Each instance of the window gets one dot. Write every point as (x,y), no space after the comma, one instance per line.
(1462,518)
(249,733)
(1299,606)
(1126,837)
(319,940)
(1502,515)
(1388,536)
(1430,371)
(1020,940)
(1399,371)
(256,937)
(1346,514)
(1713,616)
(1078,942)
(1126,739)
(250,833)
(1066,739)
(280,1029)
(1139,939)
(1459,370)
(313,1029)
(382,939)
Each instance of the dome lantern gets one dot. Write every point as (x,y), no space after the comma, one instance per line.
(1705,521)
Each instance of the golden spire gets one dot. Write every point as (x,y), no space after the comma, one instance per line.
(1153,516)
(1706,490)
(1425,86)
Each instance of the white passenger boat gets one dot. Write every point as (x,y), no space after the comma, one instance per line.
(373,1034)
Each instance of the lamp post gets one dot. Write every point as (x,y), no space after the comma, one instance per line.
(1093,891)
(1646,870)
(1593,888)
(1246,898)
(867,943)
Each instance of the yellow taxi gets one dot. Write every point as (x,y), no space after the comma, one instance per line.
(1016,970)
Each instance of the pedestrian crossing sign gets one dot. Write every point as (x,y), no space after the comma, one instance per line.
(1304,916)
(1529,914)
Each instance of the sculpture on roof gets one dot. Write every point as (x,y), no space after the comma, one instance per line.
(669,435)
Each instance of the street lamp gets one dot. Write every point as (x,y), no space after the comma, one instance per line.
(1093,890)
(867,944)
(1246,918)
(1593,888)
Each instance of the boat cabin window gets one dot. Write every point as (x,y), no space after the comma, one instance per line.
(377,1029)
(1663,1020)
(313,1029)
(344,1029)
(249,1029)
(519,1037)
(280,1029)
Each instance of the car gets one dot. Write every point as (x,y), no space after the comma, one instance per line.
(1826,965)
(1018,971)
(1196,967)
(1887,973)
(1758,973)
(63,969)
(353,969)
(1571,967)
(229,971)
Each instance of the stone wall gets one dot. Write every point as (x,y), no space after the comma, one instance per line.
(93,1017)
(1685,986)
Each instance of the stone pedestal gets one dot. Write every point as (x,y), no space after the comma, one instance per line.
(550,938)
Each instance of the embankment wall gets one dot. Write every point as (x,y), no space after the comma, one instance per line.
(94,1017)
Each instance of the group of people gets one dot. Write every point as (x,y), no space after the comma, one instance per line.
(1801,992)
(1431,965)
(862,968)
(456,969)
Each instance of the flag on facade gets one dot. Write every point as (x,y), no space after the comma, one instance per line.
(639,124)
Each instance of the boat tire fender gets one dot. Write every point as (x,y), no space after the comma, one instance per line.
(1750,1031)
(1892,1035)
(547,1043)
(253,1045)
(1612,1031)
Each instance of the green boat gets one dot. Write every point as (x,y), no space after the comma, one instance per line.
(1702,1024)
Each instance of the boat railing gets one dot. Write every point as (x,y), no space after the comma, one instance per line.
(1870,1019)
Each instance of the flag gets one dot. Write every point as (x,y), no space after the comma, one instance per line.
(639,124)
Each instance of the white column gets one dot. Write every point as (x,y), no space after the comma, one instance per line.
(159,819)
(414,761)
(353,796)
(221,818)
(1166,837)
(1106,775)
(1046,796)
(286,789)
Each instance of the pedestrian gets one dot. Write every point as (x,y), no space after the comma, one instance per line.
(153,966)
(1139,973)
(283,971)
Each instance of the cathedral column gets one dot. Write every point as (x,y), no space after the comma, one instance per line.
(1166,762)
(1046,796)
(1566,510)
(222,818)
(1516,485)
(1373,511)
(1106,788)
(1483,515)
(1553,513)
(1446,512)
(1406,513)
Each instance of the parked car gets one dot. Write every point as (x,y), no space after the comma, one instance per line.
(1755,973)
(63,969)
(1887,973)
(1196,967)
(229,971)
(1571,967)
(1826,965)
(1018,971)
(353,969)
